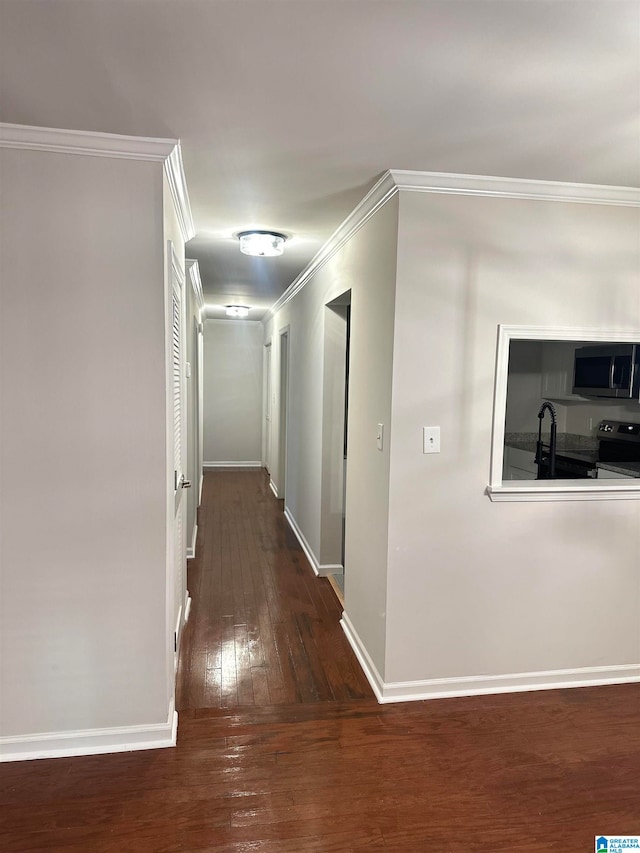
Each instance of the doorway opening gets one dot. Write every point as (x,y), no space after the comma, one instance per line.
(283,414)
(335,417)
(266,449)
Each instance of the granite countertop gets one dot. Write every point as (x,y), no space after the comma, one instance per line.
(582,447)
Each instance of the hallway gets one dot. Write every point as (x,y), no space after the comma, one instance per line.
(263,630)
(282,748)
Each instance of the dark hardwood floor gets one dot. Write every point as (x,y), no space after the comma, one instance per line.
(281,746)
(263,629)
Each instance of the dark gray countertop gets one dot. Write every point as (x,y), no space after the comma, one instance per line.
(582,447)
(631,469)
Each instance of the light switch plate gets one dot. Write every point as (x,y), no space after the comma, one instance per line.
(380,436)
(431,439)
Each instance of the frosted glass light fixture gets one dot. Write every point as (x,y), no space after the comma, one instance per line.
(237,311)
(261,244)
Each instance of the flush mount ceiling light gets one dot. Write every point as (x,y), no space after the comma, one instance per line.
(237,311)
(261,244)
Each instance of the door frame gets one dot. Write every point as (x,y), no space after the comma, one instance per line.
(283,408)
(266,406)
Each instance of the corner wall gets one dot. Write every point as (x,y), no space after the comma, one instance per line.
(366,266)
(485,595)
(83,450)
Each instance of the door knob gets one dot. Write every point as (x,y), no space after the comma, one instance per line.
(186,484)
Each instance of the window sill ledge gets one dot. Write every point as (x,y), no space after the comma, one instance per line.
(565,490)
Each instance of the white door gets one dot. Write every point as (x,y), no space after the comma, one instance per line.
(179,445)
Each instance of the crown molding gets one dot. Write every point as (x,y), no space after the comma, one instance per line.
(378,196)
(81,142)
(59,141)
(399,180)
(193,271)
(483,185)
(174,171)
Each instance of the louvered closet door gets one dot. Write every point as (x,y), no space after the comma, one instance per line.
(179,436)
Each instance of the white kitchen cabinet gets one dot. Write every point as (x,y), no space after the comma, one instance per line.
(556,380)
(519,464)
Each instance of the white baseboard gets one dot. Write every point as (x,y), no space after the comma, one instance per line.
(273,487)
(91,741)
(187,607)
(191,550)
(478,685)
(320,569)
(368,667)
(232,464)
(330,569)
(311,557)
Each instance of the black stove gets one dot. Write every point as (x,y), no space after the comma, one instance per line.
(619,441)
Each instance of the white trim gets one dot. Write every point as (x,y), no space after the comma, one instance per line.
(326,569)
(322,570)
(521,682)
(273,487)
(487,185)
(566,490)
(543,490)
(378,196)
(193,271)
(187,608)
(191,550)
(479,685)
(255,464)
(311,557)
(91,741)
(93,144)
(177,637)
(368,667)
(396,180)
(174,171)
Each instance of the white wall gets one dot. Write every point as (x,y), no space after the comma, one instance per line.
(477,588)
(233,391)
(366,266)
(83,449)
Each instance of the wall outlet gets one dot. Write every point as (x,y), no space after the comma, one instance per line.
(431,439)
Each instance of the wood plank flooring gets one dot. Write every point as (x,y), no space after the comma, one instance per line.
(281,748)
(263,629)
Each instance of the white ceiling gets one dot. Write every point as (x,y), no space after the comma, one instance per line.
(289,110)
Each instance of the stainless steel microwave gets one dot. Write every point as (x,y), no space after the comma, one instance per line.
(607,370)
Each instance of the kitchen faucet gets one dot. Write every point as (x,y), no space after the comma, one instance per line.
(551,475)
